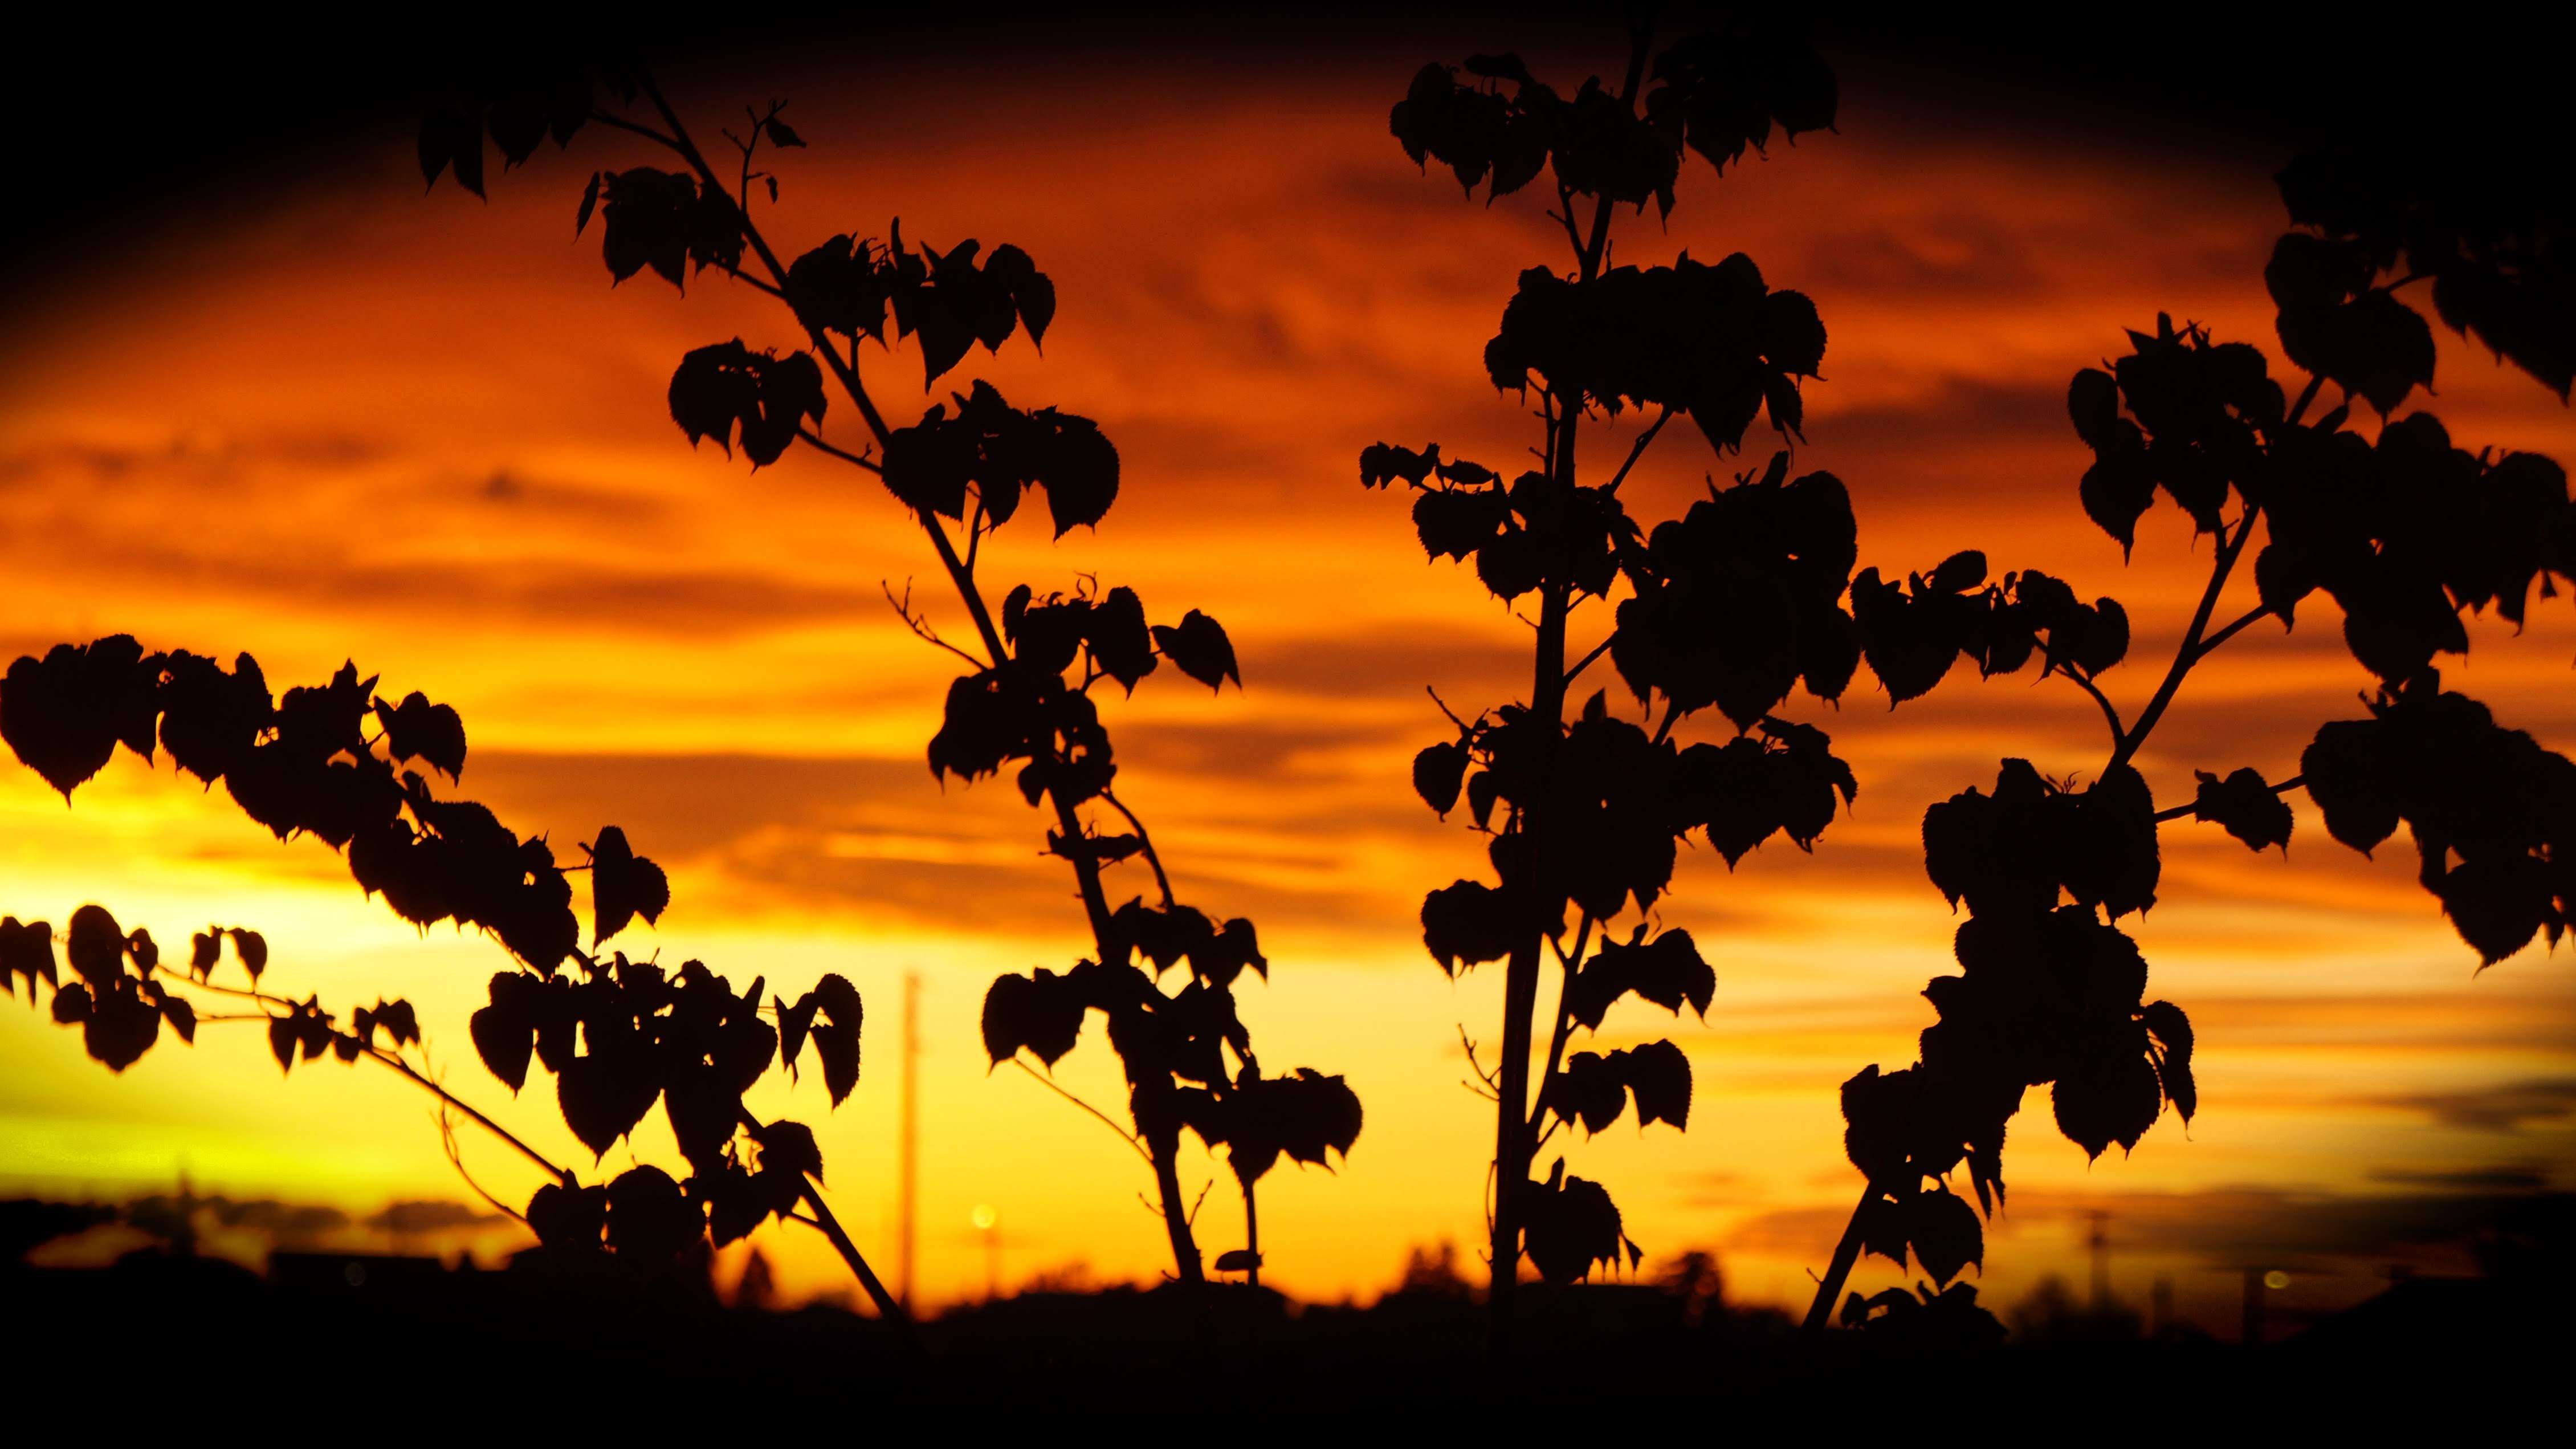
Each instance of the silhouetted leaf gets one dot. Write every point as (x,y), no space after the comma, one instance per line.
(1438,771)
(1199,646)
(648,1218)
(836,1034)
(1041,1011)
(1467,923)
(1659,1076)
(1944,1233)
(789,1147)
(623,885)
(420,730)
(26,949)
(569,1218)
(95,946)
(1570,1228)
(2246,806)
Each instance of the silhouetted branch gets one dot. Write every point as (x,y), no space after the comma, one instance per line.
(1106,1120)
(2189,652)
(2179,812)
(1638,450)
(1476,1066)
(1564,1029)
(379,1055)
(2210,645)
(920,626)
(1598,650)
(2110,716)
(889,1307)
(1145,843)
(456,1159)
(845,455)
(1110,944)
(452,1100)
(1820,1312)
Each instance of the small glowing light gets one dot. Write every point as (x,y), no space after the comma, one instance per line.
(2274,1279)
(985,1217)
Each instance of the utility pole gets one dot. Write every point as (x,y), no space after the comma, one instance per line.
(907,1180)
(2100,1243)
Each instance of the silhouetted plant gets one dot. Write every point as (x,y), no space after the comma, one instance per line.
(1028,699)
(2402,531)
(1733,605)
(620,1036)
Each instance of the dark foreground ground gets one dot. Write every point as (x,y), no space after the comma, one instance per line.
(320,1351)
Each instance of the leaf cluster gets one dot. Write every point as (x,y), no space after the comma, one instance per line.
(949,299)
(1572,1226)
(1717,93)
(1712,341)
(1740,599)
(1913,633)
(2494,246)
(1002,452)
(1025,708)
(2492,813)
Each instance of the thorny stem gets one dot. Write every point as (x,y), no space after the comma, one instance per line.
(1113,950)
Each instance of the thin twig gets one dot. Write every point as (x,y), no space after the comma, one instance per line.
(1603,648)
(1106,1120)
(456,1159)
(2188,653)
(1639,449)
(2085,682)
(845,455)
(1145,842)
(2210,645)
(2180,811)
(920,626)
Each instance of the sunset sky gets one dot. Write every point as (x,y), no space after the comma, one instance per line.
(329,418)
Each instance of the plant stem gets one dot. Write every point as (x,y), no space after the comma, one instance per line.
(1564,1030)
(1112,950)
(1513,1140)
(1252,1234)
(889,1307)
(2191,648)
(1846,1254)
(477,1118)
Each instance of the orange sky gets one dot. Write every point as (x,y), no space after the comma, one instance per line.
(338,420)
